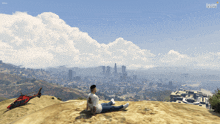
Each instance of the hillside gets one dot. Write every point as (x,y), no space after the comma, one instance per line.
(12,85)
(32,106)
(46,110)
(12,81)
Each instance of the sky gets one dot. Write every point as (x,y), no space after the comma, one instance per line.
(139,34)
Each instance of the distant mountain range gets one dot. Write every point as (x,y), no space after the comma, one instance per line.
(181,69)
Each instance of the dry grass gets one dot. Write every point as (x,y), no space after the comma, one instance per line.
(48,111)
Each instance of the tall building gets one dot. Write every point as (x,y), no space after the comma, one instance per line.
(73,74)
(124,74)
(103,69)
(115,69)
(108,70)
(123,69)
(70,74)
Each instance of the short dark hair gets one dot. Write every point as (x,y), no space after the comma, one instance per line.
(92,87)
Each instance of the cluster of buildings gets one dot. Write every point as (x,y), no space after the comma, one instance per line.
(106,71)
(200,98)
(111,81)
(115,73)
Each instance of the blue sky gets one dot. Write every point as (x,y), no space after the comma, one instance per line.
(185,26)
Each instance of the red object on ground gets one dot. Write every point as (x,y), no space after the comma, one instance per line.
(23,99)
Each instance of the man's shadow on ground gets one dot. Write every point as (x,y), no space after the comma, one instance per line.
(87,114)
(214,113)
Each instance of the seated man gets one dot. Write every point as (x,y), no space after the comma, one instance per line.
(93,103)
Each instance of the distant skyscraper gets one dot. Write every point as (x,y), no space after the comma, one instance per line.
(124,74)
(123,69)
(108,70)
(70,74)
(73,74)
(115,69)
(103,69)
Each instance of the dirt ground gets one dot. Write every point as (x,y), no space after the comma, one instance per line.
(46,110)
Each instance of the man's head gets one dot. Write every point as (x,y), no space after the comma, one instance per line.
(93,89)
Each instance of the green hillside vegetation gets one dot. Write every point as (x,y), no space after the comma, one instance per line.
(10,77)
(215,101)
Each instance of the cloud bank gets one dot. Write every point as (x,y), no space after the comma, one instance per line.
(47,41)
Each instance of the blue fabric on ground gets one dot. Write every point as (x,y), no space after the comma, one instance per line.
(106,107)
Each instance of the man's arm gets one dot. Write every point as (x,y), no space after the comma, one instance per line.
(87,102)
(87,106)
(94,110)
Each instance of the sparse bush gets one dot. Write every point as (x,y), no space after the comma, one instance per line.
(80,98)
(52,97)
(59,99)
(215,101)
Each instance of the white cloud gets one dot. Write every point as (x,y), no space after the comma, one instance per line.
(173,57)
(210,60)
(4,3)
(46,40)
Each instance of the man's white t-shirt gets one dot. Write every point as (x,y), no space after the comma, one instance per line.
(95,102)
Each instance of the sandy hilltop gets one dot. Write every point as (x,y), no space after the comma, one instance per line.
(46,110)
